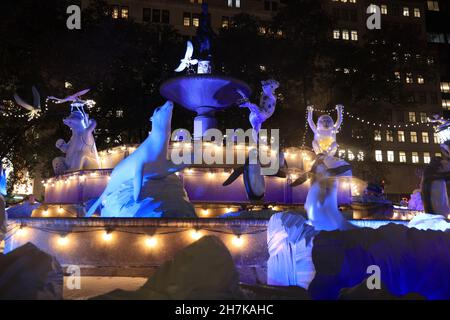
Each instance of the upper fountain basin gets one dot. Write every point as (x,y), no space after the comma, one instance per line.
(198,91)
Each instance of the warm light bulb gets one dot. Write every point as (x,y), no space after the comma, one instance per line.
(151,242)
(45,213)
(21,232)
(205,212)
(238,241)
(63,240)
(195,234)
(107,236)
(60,209)
(210,175)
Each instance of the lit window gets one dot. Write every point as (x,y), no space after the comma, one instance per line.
(350,155)
(372,9)
(413,136)
(409,78)
(195,19)
(401,136)
(435,138)
(412,116)
(445,87)
(397,75)
(402,156)
(406,11)
(345,35)
(425,138)
(342,154)
(417,12)
(236,3)
(378,155)
(423,117)
(446,104)
(115,12)
(384,9)
(420,80)
(119,113)
(415,157)
(438,154)
(225,22)
(389,136)
(186,19)
(426,157)
(377,136)
(354,35)
(390,156)
(336,34)
(433,5)
(124,12)
(360,156)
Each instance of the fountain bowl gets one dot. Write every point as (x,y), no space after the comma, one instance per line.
(204,91)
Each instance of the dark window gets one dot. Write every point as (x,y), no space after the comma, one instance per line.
(146,14)
(274,6)
(165,16)
(156,16)
(266,5)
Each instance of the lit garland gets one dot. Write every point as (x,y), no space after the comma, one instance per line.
(375,124)
(150,238)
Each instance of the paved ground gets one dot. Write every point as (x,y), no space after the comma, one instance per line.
(94,286)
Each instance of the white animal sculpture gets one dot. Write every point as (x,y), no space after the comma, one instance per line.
(35,109)
(187,61)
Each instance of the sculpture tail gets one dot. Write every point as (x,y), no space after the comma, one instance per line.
(94,207)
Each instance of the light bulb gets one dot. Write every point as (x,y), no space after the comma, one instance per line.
(63,240)
(151,242)
(195,234)
(238,241)
(107,236)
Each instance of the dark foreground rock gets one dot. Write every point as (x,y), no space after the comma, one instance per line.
(409,261)
(28,273)
(362,292)
(204,270)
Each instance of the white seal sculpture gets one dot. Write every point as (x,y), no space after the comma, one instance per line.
(149,160)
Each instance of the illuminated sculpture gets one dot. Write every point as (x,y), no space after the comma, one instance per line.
(187,62)
(2,203)
(325,131)
(266,108)
(35,109)
(437,173)
(81,151)
(148,162)
(321,202)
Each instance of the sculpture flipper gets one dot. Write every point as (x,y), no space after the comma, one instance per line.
(234,175)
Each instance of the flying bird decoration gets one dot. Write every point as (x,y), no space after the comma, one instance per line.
(73,98)
(35,109)
(187,61)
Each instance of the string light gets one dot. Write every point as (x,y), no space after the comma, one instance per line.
(238,241)
(196,234)
(21,231)
(63,240)
(107,235)
(151,241)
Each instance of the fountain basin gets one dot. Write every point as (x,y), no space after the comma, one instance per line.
(204,92)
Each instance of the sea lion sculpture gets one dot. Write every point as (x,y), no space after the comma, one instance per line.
(149,159)
(254,181)
(81,151)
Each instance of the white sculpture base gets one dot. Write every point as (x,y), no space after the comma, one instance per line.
(162,198)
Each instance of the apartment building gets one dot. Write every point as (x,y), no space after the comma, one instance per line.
(184,15)
(407,142)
